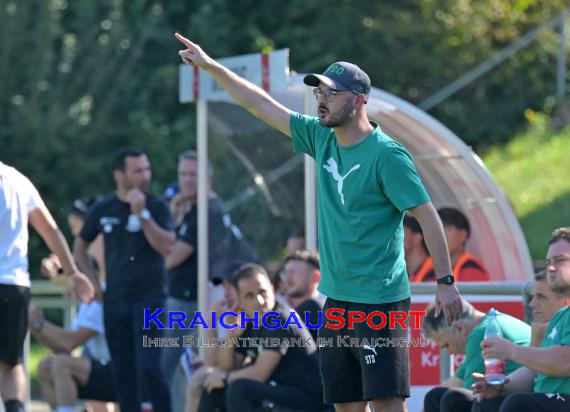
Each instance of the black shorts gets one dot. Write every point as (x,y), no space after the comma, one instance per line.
(14,301)
(360,371)
(99,386)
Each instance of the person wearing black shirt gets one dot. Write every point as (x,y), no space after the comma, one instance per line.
(286,376)
(300,276)
(226,246)
(136,228)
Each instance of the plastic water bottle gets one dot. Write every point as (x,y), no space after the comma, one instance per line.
(494,368)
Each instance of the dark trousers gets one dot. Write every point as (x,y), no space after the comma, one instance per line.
(441,399)
(136,370)
(245,395)
(526,402)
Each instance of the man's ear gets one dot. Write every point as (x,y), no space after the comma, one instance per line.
(118,176)
(316,276)
(464,235)
(460,326)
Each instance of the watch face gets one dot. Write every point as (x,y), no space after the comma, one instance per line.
(145,214)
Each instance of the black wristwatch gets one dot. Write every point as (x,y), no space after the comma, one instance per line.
(446,280)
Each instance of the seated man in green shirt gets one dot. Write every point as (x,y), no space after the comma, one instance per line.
(543,384)
(465,336)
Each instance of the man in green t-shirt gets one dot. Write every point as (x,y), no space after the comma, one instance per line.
(543,384)
(464,336)
(365,182)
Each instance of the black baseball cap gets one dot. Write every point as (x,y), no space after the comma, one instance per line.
(341,76)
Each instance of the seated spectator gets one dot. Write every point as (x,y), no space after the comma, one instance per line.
(228,303)
(64,378)
(95,362)
(544,304)
(543,383)
(464,336)
(466,267)
(418,261)
(300,277)
(288,376)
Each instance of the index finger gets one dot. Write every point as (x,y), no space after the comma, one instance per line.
(447,314)
(184,40)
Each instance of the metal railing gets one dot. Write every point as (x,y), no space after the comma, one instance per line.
(46,294)
(50,295)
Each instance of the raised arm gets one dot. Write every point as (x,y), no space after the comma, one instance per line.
(249,96)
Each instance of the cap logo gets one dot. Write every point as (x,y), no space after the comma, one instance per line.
(335,68)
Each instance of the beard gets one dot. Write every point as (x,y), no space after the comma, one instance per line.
(340,118)
(559,285)
(297,293)
(561,288)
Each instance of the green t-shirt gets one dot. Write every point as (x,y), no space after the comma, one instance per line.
(362,193)
(557,333)
(512,329)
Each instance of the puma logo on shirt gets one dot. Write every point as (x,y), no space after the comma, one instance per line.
(332,168)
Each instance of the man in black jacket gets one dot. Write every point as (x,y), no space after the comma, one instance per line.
(137,231)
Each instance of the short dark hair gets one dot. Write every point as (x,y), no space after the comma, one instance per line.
(562,233)
(248,271)
(454,217)
(412,223)
(81,207)
(540,276)
(119,161)
(431,323)
(193,155)
(309,257)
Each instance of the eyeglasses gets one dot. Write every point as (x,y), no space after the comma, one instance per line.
(329,94)
(557,261)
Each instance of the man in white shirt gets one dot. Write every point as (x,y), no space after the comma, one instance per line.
(65,378)
(21,203)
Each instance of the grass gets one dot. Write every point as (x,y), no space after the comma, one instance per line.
(534,171)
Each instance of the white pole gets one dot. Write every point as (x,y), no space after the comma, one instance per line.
(311,237)
(202,149)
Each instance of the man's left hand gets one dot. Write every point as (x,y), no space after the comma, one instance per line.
(215,379)
(137,200)
(497,348)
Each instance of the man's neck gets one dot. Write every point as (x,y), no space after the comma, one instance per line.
(354,131)
(121,194)
(478,317)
